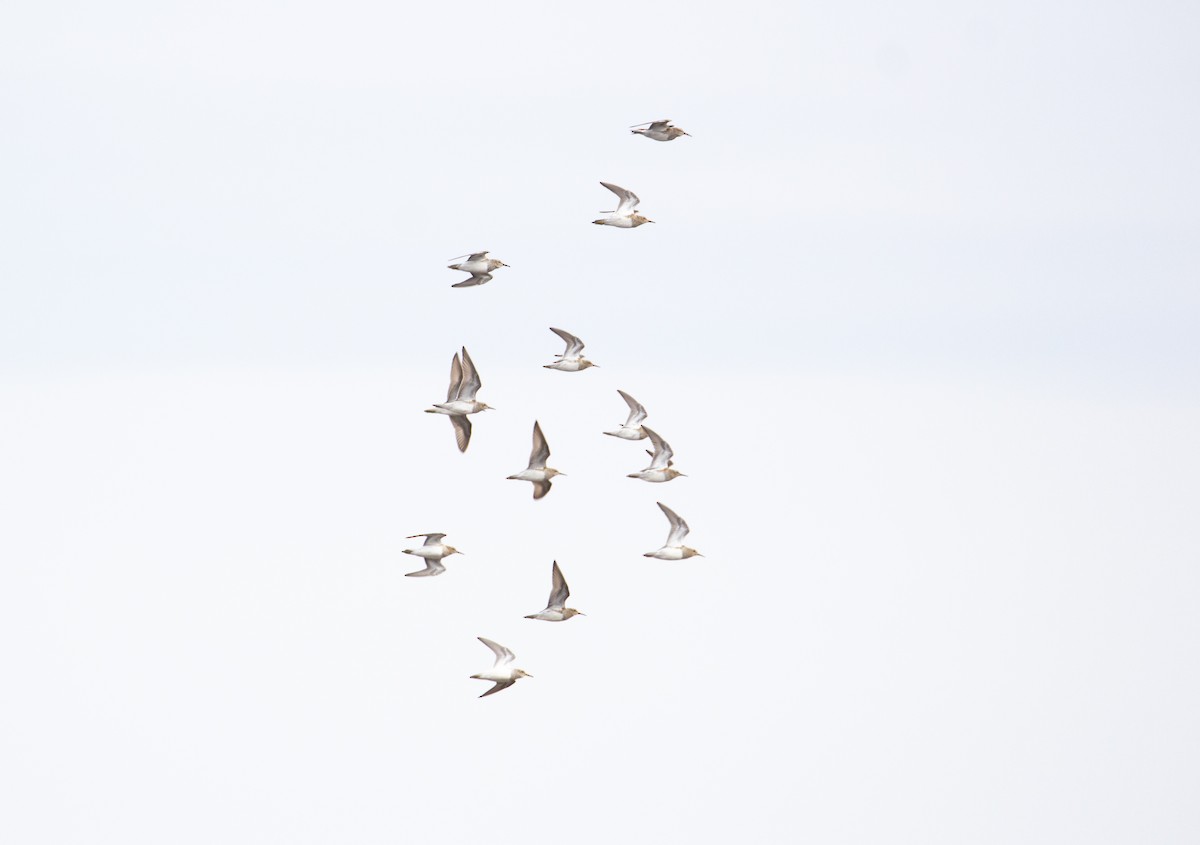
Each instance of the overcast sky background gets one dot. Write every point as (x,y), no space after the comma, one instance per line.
(918,315)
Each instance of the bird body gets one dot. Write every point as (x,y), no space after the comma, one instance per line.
(503,674)
(537,472)
(555,608)
(667,553)
(661,466)
(624,217)
(630,222)
(458,407)
(571,360)
(460,398)
(673,549)
(479,266)
(569,366)
(433,551)
(656,476)
(658,130)
(632,428)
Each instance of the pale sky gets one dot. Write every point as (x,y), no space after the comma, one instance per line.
(918,315)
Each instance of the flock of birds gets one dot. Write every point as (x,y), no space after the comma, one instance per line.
(461,403)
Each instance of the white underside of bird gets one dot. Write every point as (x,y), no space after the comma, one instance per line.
(619,222)
(481,265)
(627,433)
(569,365)
(667,553)
(655,476)
(435,551)
(656,134)
(457,408)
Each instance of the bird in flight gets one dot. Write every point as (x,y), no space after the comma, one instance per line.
(433,552)
(659,130)
(661,466)
(632,428)
(460,398)
(674,549)
(479,266)
(571,360)
(624,217)
(555,610)
(538,472)
(502,673)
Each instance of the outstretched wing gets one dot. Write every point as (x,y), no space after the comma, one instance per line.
(475,280)
(628,200)
(499,686)
(430,539)
(541,450)
(661,459)
(574,344)
(679,528)
(432,567)
(474,256)
(651,454)
(558,589)
(503,655)
(470,382)
(456,374)
(637,413)
(654,124)
(540,488)
(462,431)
